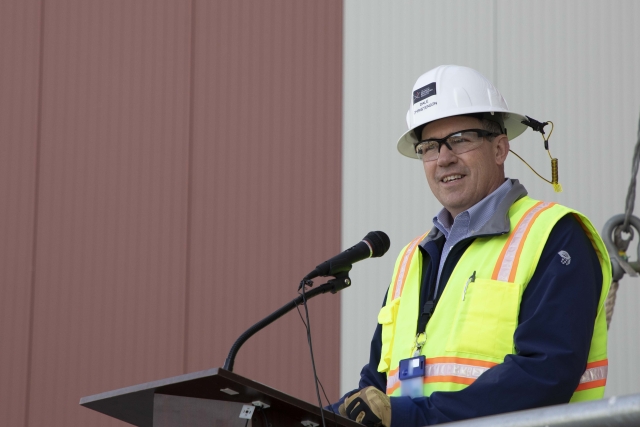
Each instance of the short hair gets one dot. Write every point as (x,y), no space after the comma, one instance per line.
(491,126)
(491,122)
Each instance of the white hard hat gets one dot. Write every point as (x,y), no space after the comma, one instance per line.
(452,90)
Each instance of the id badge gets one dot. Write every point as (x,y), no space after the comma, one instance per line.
(411,374)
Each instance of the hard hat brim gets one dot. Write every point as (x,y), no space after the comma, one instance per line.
(512,123)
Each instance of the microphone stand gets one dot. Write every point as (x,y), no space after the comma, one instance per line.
(334,285)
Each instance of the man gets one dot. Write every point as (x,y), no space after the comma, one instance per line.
(500,306)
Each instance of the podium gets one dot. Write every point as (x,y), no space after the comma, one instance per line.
(214,397)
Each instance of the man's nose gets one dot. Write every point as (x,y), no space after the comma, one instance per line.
(446,156)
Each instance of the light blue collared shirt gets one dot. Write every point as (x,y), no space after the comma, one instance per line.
(467,222)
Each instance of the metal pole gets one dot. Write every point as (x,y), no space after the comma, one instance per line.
(622,411)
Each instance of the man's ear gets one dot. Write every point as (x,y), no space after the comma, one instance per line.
(501,148)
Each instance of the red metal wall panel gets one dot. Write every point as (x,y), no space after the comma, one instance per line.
(110,271)
(266,185)
(168,174)
(19,59)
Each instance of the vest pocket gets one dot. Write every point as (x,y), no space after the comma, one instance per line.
(486,319)
(387,318)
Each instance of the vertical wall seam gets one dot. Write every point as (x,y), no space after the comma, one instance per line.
(495,43)
(189,188)
(341,118)
(36,196)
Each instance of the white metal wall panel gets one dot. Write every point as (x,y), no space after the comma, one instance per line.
(575,63)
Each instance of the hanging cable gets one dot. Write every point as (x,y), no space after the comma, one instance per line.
(631,192)
(326,398)
(620,242)
(264,417)
(313,363)
(539,127)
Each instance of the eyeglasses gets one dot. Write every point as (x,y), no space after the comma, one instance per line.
(458,142)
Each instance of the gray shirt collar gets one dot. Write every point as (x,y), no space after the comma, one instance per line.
(477,215)
(499,222)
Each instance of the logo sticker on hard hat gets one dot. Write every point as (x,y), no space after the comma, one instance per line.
(424,92)
(424,98)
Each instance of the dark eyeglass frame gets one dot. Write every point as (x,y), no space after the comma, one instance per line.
(481,133)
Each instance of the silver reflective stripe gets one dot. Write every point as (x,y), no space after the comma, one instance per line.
(471,371)
(392,380)
(454,369)
(443,370)
(594,374)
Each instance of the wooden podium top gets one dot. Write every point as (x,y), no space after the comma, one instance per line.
(135,404)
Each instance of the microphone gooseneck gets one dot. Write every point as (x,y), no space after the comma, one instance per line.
(375,244)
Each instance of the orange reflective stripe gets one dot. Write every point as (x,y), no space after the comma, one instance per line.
(603,362)
(456,370)
(449,379)
(461,361)
(393,381)
(589,235)
(404,266)
(591,384)
(595,375)
(507,265)
(397,283)
(462,373)
(460,370)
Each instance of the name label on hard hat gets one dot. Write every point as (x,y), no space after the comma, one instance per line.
(424,98)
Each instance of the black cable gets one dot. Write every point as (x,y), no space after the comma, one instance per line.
(318,379)
(306,328)
(246,423)
(313,363)
(328,402)
(327,399)
(264,416)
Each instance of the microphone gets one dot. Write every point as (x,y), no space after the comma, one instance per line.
(373,245)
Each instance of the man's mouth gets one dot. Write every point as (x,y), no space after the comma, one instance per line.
(450,178)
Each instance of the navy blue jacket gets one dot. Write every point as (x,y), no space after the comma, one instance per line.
(552,340)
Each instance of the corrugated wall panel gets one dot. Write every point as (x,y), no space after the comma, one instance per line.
(572,62)
(266,185)
(139,264)
(110,272)
(19,60)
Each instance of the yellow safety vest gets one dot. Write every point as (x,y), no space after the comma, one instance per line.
(472,327)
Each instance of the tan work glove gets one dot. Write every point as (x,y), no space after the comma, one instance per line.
(368,406)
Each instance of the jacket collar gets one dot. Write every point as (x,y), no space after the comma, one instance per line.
(499,222)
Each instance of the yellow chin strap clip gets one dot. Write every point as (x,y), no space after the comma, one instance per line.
(539,127)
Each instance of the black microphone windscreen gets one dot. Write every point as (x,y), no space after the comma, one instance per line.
(379,242)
